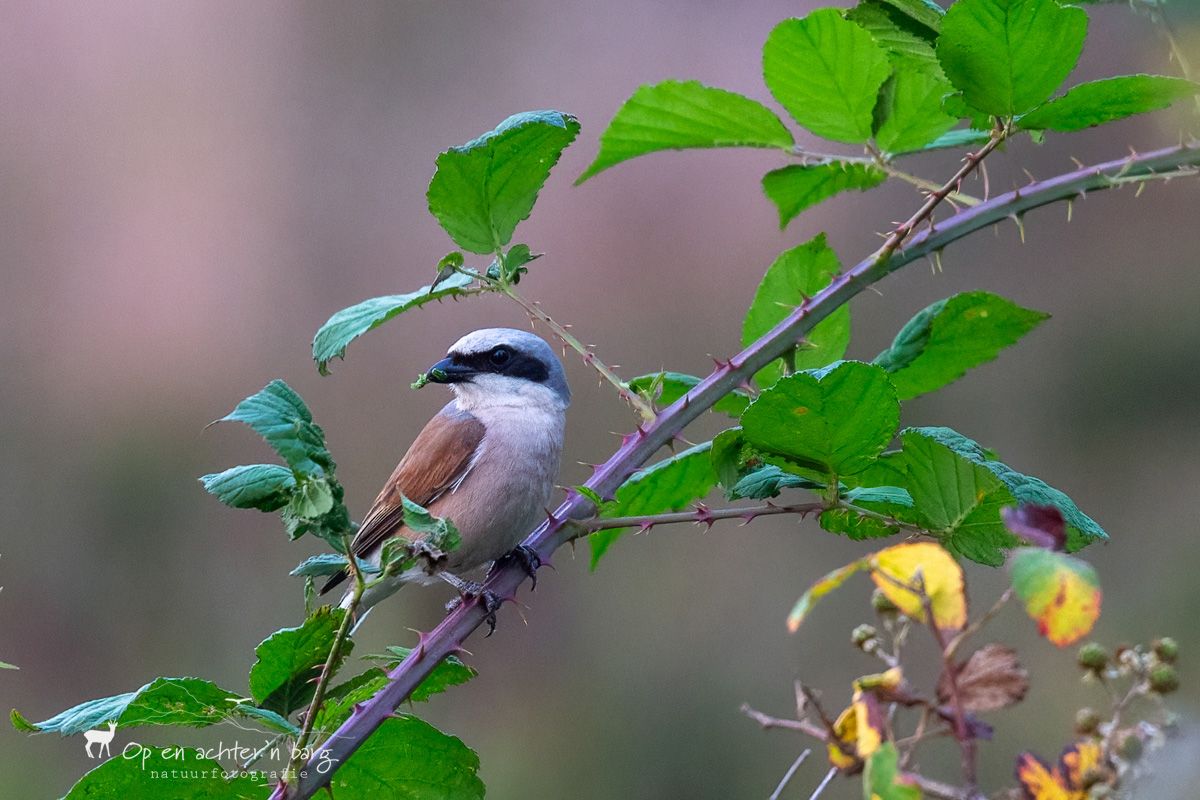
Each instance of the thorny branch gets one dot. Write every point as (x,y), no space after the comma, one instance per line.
(636,449)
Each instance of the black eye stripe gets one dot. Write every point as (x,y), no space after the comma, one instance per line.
(519,365)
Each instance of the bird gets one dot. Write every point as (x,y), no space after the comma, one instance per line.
(487,462)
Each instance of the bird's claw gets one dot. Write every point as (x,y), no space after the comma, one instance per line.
(469,590)
(529,560)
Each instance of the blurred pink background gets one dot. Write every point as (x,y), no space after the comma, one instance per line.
(191,189)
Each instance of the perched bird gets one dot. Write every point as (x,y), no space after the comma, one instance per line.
(487,461)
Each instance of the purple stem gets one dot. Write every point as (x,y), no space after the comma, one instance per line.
(636,448)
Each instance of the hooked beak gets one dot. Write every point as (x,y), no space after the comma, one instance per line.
(446,371)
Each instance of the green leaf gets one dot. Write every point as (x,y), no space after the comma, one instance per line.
(883,780)
(818,590)
(826,71)
(164,701)
(145,773)
(799,186)
(796,274)
(1008,56)
(769,481)
(406,759)
(1061,593)
(280,416)
(854,525)
(896,31)
(312,498)
(949,337)
(836,420)
(6,665)
(282,678)
(268,718)
(668,485)
(320,565)
(1097,102)
(451,671)
(909,112)
(953,140)
(348,324)
(957,499)
(437,531)
(484,188)
(674,115)
(1082,530)
(923,12)
(266,487)
(667,387)
(341,699)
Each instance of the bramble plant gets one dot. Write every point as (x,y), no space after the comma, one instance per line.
(810,434)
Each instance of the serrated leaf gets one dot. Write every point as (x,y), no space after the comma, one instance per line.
(1060,593)
(909,114)
(818,590)
(901,569)
(894,30)
(957,499)
(676,115)
(965,137)
(1097,102)
(268,718)
(141,772)
(768,481)
(855,526)
(164,701)
(924,12)
(408,758)
(282,678)
(312,498)
(826,71)
(437,531)
(348,324)
(1008,56)
(484,188)
(668,485)
(670,386)
(1065,781)
(883,780)
(450,671)
(798,273)
(320,565)
(339,703)
(943,341)
(279,415)
(1081,529)
(799,186)
(991,679)
(836,420)
(266,487)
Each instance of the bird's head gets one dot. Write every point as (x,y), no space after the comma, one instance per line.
(503,367)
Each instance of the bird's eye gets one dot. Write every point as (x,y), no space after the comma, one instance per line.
(500,356)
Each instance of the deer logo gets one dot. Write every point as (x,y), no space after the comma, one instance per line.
(102,737)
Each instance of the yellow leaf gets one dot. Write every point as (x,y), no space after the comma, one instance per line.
(846,729)
(818,590)
(904,571)
(1077,760)
(1060,593)
(1040,782)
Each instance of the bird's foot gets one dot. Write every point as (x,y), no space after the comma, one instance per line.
(469,590)
(527,557)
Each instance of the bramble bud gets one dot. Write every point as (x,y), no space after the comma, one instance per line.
(863,634)
(882,603)
(1093,656)
(1164,679)
(1087,721)
(1130,747)
(1167,649)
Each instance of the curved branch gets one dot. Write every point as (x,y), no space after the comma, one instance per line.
(637,448)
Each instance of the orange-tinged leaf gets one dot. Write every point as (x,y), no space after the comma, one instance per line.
(1039,782)
(1060,593)
(1077,760)
(903,571)
(818,590)
(846,729)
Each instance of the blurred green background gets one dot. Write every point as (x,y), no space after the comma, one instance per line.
(191,188)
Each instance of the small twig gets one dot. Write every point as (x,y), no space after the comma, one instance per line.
(824,783)
(702,515)
(787,776)
(766,722)
(639,403)
(975,626)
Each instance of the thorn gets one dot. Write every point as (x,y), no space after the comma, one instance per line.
(937,258)
(644,528)
(1141,188)
(1032,180)
(704,515)
(459,650)
(553,520)
(422,640)
(357,709)
(1070,209)
(1020,222)
(746,386)
(1078,164)
(720,364)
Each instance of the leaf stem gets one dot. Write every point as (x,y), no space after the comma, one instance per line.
(449,635)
